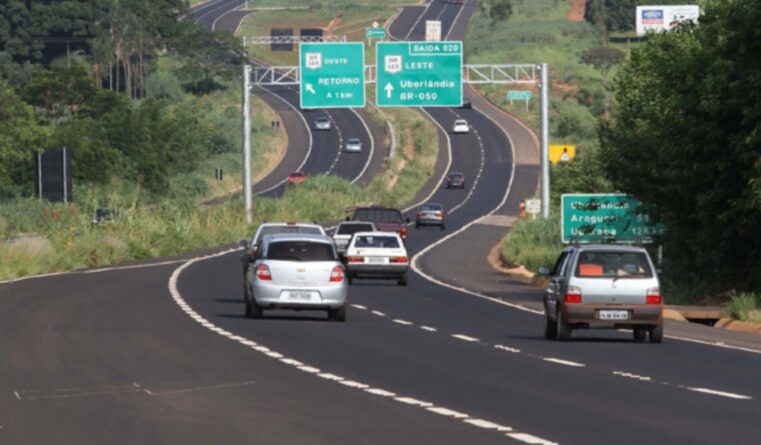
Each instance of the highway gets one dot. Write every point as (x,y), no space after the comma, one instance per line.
(160,352)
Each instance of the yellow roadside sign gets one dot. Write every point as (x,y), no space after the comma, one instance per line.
(562,152)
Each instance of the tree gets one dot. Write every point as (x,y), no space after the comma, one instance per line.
(603,58)
(60,91)
(685,138)
(496,10)
(209,57)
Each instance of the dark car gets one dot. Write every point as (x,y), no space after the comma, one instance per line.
(466,104)
(430,214)
(386,219)
(455,180)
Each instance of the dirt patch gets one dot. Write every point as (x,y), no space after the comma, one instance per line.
(565,87)
(576,13)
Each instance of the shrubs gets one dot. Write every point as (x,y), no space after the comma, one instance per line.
(745,306)
(533,243)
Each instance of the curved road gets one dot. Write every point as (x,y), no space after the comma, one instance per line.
(161,353)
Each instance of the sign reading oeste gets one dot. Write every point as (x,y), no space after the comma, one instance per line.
(419,74)
(332,75)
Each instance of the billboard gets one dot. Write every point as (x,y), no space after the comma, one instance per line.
(662,18)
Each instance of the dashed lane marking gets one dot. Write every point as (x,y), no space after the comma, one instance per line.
(564,362)
(428,328)
(464,338)
(402,322)
(714,392)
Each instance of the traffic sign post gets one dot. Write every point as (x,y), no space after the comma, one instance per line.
(533,207)
(587,218)
(419,74)
(332,75)
(376,33)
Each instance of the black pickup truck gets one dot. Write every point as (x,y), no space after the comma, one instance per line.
(386,219)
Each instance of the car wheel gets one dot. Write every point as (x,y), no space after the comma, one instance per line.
(563,330)
(639,334)
(338,314)
(656,333)
(550,328)
(402,280)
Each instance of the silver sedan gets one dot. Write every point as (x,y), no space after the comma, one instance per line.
(297,272)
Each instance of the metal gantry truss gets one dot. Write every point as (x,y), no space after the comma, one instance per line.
(290,40)
(503,74)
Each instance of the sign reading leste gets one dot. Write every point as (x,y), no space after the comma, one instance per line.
(588,218)
(332,75)
(419,74)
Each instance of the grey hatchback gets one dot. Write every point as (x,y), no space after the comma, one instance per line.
(603,286)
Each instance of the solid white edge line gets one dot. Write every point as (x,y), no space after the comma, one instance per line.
(564,362)
(714,392)
(214,23)
(457,17)
(528,438)
(420,17)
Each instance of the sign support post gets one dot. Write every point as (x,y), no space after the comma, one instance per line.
(545,142)
(247,141)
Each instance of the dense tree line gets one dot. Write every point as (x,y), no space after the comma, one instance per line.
(685,137)
(76,73)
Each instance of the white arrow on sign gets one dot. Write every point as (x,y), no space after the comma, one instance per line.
(310,89)
(389,88)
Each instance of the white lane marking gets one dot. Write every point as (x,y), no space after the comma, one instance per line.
(457,17)
(359,306)
(464,337)
(411,401)
(507,348)
(18,397)
(407,36)
(528,438)
(629,375)
(292,362)
(564,362)
(340,142)
(214,23)
(134,266)
(488,425)
(203,388)
(177,297)
(447,412)
(428,328)
(714,392)
(379,313)
(474,185)
(404,322)
(715,344)
(372,146)
(380,392)
(273,354)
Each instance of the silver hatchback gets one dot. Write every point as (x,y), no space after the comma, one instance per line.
(603,286)
(297,272)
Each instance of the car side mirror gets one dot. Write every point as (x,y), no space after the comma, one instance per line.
(543,271)
(243,243)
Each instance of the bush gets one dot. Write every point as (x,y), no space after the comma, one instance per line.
(533,243)
(744,307)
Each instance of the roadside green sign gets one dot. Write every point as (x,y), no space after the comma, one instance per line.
(376,33)
(519,95)
(419,74)
(587,218)
(332,75)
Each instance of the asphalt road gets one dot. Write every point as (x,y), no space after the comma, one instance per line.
(161,353)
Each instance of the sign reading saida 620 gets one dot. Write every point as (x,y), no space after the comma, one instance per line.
(587,218)
(419,74)
(332,75)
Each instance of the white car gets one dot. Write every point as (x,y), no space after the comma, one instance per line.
(460,126)
(346,230)
(377,255)
(353,145)
(322,123)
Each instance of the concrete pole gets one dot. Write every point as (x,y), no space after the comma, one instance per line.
(545,141)
(247,140)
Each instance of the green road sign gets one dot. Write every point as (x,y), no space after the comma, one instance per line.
(376,33)
(419,74)
(332,75)
(519,95)
(589,218)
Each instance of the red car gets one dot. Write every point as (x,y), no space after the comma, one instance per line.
(296,178)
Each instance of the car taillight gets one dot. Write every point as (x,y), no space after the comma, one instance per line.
(263,272)
(403,232)
(337,275)
(440,213)
(356,259)
(398,259)
(419,213)
(653,296)
(573,295)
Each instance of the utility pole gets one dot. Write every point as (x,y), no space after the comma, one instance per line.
(544,150)
(247,140)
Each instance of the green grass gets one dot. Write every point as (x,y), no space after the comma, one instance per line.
(533,243)
(745,307)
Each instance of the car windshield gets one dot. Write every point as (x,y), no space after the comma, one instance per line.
(269,230)
(390,242)
(613,265)
(382,215)
(322,119)
(300,251)
(353,141)
(351,229)
(460,123)
(455,175)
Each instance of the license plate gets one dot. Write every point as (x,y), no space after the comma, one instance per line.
(376,260)
(614,315)
(299,296)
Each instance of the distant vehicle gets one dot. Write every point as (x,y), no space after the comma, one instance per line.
(353,145)
(466,104)
(278,227)
(377,255)
(460,126)
(297,271)
(430,214)
(322,123)
(297,178)
(603,286)
(455,180)
(346,230)
(385,219)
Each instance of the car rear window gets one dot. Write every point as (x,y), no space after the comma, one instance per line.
(365,241)
(613,265)
(269,230)
(300,251)
(351,229)
(384,215)
(436,207)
